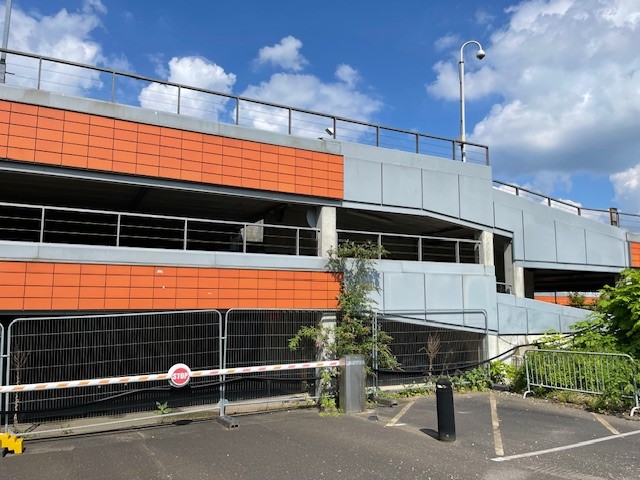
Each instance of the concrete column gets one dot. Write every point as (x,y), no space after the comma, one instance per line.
(327,328)
(509,268)
(518,281)
(328,235)
(485,252)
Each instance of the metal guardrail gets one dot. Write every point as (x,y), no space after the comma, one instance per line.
(39,223)
(612,216)
(58,75)
(583,372)
(419,248)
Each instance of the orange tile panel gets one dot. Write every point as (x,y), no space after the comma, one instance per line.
(148,129)
(24,108)
(75,117)
(32,291)
(53,113)
(101,131)
(16,303)
(37,304)
(192,136)
(12,291)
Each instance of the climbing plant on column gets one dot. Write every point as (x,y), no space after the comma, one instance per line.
(353,265)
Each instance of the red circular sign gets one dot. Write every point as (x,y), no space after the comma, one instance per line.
(179,375)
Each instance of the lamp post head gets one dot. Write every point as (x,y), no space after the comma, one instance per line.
(480,55)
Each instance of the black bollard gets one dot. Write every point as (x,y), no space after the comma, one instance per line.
(444,407)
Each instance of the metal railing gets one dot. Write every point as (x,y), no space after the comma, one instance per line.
(72,78)
(44,224)
(611,216)
(583,372)
(417,247)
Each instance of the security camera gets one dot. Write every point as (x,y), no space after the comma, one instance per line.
(329,131)
(480,54)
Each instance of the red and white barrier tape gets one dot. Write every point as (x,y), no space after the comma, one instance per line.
(163,376)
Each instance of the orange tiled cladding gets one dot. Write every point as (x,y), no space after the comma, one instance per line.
(36,134)
(29,286)
(634,249)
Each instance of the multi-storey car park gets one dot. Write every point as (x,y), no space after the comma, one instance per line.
(112,212)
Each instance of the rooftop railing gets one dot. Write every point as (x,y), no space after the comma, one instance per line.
(628,221)
(71,78)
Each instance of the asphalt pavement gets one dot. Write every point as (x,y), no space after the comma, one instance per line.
(498,436)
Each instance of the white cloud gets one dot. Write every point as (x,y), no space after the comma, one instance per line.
(285,54)
(308,92)
(62,35)
(626,185)
(195,72)
(347,74)
(448,41)
(567,76)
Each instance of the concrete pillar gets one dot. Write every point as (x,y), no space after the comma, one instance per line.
(509,269)
(328,237)
(518,281)
(485,252)
(327,329)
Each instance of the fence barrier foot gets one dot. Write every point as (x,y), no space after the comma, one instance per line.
(11,443)
(385,401)
(526,393)
(227,422)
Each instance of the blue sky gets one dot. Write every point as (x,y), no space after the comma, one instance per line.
(557,98)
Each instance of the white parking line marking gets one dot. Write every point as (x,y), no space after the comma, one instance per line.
(495,422)
(606,424)
(566,447)
(393,421)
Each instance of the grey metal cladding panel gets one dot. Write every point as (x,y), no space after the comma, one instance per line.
(605,250)
(403,291)
(511,319)
(541,321)
(479,292)
(476,199)
(510,219)
(539,238)
(401,186)
(362,181)
(443,292)
(440,192)
(571,247)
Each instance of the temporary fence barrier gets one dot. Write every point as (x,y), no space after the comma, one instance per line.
(261,336)
(583,372)
(428,344)
(44,350)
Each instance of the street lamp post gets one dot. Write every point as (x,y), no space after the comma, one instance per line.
(480,55)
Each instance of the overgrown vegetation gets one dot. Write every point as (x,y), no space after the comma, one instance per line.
(353,264)
(612,327)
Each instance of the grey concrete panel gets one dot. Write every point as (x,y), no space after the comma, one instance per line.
(444,292)
(510,219)
(18,251)
(541,321)
(539,238)
(516,315)
(403,291)
(362,181)
(479,292)
(401,186)
(605,250)
(476,199)
(511,319)
(571,243)
(440,193)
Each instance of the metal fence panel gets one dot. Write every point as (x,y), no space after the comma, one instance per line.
(584,372)
(85,347)
(261,337)
(426,348)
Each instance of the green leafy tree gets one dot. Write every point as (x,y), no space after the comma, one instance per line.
(618,310)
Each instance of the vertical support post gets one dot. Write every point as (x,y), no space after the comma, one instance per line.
(290,121)
(118,230)
(185,235)
(352,384)
(113,87)
(42,218)
(328,234)
(297,241)
(39,74)
(237,111)
(614,217)
(485,254)
(179,92)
